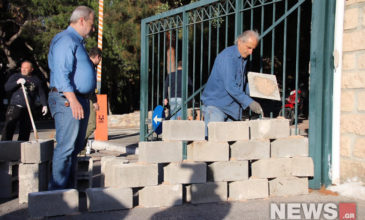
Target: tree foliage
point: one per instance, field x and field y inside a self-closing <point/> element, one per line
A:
<point x="28" y="26"/>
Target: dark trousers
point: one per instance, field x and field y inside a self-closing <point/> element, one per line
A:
<point x="13" y="115"/>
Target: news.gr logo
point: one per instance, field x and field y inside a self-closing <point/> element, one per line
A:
<point x="341" y="211"/>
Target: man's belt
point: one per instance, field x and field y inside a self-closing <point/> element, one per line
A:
<point x="54" y="89"/>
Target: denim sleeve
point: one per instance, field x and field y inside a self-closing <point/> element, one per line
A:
<point x="63" y="53"/>
<point x="232" y="85"/>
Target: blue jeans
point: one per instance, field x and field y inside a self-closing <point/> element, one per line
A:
<point x="212" y="113"/>
<point x="174" y="104"/>
<point x="70" y="134"/>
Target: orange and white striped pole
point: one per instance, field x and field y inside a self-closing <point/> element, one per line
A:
<point x="100" y="44"/>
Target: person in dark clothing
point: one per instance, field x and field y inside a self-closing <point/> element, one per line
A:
<point x="17" y="109"/>
<point x="173" y="93"/>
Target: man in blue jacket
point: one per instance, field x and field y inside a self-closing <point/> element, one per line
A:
<point x="72" y="79"/>
<point x="226" y="92"/>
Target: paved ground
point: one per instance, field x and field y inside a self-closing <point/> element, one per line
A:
<point x="128" y="138"/>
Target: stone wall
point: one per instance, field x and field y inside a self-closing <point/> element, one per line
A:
<point x="353" y="92"/>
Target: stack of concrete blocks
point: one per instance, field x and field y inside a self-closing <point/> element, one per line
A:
<point x="9" y="165"/>
<point x="35" y="167"/>
<point x="84" y="173"/>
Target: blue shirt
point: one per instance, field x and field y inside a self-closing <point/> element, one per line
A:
<point x="70" y="65"/>
<point x="225" y="85"/>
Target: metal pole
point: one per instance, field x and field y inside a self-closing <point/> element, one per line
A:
<point x="30" y="113"/>
<point x="100" y="44"/>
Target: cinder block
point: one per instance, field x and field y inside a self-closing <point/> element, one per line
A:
<point x="132" y="175"/>
<point x="106" y="164"/>
<point x="82" y="183"/>
<point x="32" y="178"/>
<point x="84" y="166"/>
<point x="186" y="172"/>
<point x="269" y="128"/>
<point x="228" y="171"/>
<point x="160" y="196"/>
<point x="302" y="166"/>
<point x="10" y="150"/>
<point x="271" y="168"/>
<point x="250" y="150"/>
<point x="208" y="151"/>
<point x="249" y="189"/>
<point x="290" y="147"/>
<point x="106" y="199"/>
<point x="37" y="151"/>
<point x="53" y="203"/>
<point x="228" y="131"/>
<point x="9" y="179"/>
<point x="207" y="192"/>
<point x="288" y="186"/>
<point x="183" y="130"/>
<point x="160" y="151"/>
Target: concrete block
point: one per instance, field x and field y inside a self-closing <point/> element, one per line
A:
<point x="53" y="203"/>
<point x="250" y="150"/>
<point x="249" y="189"/>
<point x="269" y="128"/>
<point x="271" y="168"/>
<point x="132" y="175"/>
<point x="82" y="183"/>
<point x="183" y="130"/>
<point x="288" y="186"/>
<point x="228" y="131"/>
<point x="208" y="151"/>
<point x="33" y="178"/>
<point x="105" y="163"/>
<point x="84" y="166"/>
<point x="207" y="192"/>
<point x="302" y="166"/>
<point x="161" y="196"/>
<point x="160" y="151"/>
<point x="186" y="172"/>
<point x="10" y="150"/>
<point x="9" y="179"/>
<point x="228" y="171"/>
<point x="37" y="151"/>
<point x="106" y="199"/>
<point x="290" y="147"/>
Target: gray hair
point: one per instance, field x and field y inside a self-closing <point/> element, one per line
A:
<point x="81" y="12"/>
<point x="246" y="35"/>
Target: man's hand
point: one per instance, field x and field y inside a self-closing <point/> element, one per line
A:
<point x="76" y="107"/>
<point x="256" y="107"/>
<point x="20" y="81"/>
<point x="96" y="106"/>
<point x="44" y="110"/>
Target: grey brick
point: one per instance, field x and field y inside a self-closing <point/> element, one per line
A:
<point x="288" y="186"/>
<point x="132" y="175"/>
<point x="228" y="171"/>
<point x="250" y="150"/>
<point x="208" y="151"/>
<point x="53" y="203"/>
<point x="82" y="183"/>
<point x="33" y="178"/>
<point x="207" y="192"/>
<point x="10" y="150"/>
<point x="106" y="164"/>
<point x="269" y="128"/>
<point x="84" y="166"/>
<point x="228" y="131"/>
<point x="160" y="151"/>
<point x="37" y="151"/>
<point x="9" y="179"/>
<point x="249" y="189"/>
<point x="271" y="168"/>
<point x="106" y="199"/>
<point x="183" y="130"/>
<point x="160" y="196"/>
<point x="186" y="172"/>
<point x="290" y="147"/>
<point x="302" y="166"/>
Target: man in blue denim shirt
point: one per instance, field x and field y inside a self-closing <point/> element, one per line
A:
<point x="72" y="78"/>
<point x="225" y="94"/>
